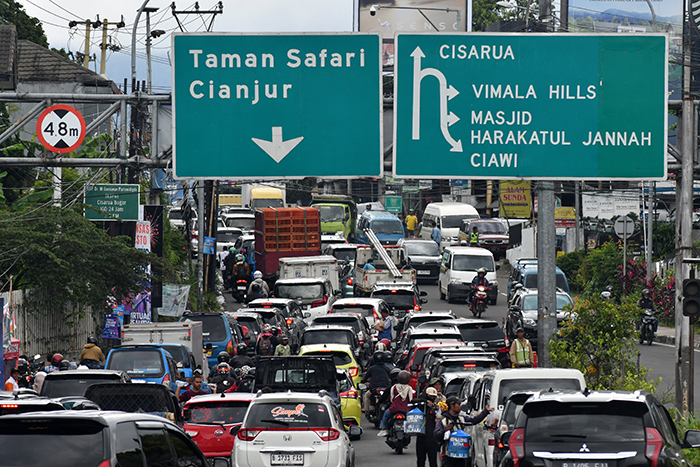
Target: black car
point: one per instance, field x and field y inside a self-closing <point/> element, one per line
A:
<point x="423" y="256"/>
<point x="274" y="317"/>
<point x="400" y="295"/>
<point x="29" y="404"/>
<point x="68" y="438"/>
<point x="291" y="311"/>
<point x="484" y="333"/>
<point x="69" y="387"/>
<point x="621" y="429"/>
<point x="506" y="424"/>
<point x="417" y="335"/>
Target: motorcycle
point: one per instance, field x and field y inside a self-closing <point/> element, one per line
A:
<point x="647" y="327"/>
<point x="240" y="289"/>
<point x="396" y="438"/>
<point x="375" y="410"/>
<point x="479" y="300"/>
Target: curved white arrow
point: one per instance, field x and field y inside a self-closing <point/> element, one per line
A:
<point x="277" y="148"/>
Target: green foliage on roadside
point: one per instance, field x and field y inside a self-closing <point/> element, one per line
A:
<point x="570" y="263"/>
<point x="599" y="340"/>
<point x="600" y="268"/>
<point x="683" y="424"/>
<point x="28" y="27"/>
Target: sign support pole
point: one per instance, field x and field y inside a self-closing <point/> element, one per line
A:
<point x="624" y="258"/>
<point x="546" y="272"/>
<point x="200" y="245"/>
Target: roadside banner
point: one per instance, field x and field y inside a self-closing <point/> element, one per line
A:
<point x="516" y="199"/>
<point x="111" y="327"/>
<point x="174" y="299"/>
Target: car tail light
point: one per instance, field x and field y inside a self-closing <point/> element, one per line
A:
<point x="654" y="444"/>
<point x="241" y="281"/>
<point x="500" y="445"/>
<point x="289" y="321"/>
<point x="351" y="394"/>
<point x="230" y="349"/>
<point x="104" y="463"/>
<point x="516" y="445"/>
<point x="349" y="280"/>
<point x="246" y="434"/>
<point x="320" y="302"/>
<point x="353" y="370"/>
<point x="376" y="316"/>
<point x="327" y="434"/>
<point x="492" y="441"/>
<point x="166" y="380"/>
<point x="504" y="350"/>
<point x="191" y="434"/>
<point x="9" y="406"/>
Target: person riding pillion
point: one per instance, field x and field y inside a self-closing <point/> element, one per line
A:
<point x="258" y="279"/>
<point x="400" y="395"/>
<point x="241" y="269"/>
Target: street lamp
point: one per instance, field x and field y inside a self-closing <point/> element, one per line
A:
<point x="374" y="8"/>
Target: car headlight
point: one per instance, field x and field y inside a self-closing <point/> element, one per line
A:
<point x="530" y="322"/>
<point x="455" y="280"/>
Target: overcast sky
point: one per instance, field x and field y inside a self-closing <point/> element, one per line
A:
<point x="238" y="16"/>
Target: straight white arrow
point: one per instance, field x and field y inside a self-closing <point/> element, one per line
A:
<point x="277" y="148"/>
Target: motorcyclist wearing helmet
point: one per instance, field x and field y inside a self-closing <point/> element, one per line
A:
<point x="56" y="360"/>
<point x="241" y="270"/>
<point x="229" y="263"/>
<point x="243" y="377"/>
<point x="377" y="375"/>
<point x="25" y="375"/>
<point x="258" y="279"/>
<point x="92" y="356"/>
<point x="613" y="297"/>
<point x="255" y="293"/>
<point x="223" y="378"/>
<point x="241" y="359"/>
<point x="479" y="279"/>
<point x="64" y="365"/>
<point x="646" y="303"/>
<point x="400" y="395"/>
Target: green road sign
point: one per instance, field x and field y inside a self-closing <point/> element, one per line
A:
<point x="277" y="106"/>
<point x="112" y="202"/>
<point x="393" y="204"/>
<point x="504" y="106"/>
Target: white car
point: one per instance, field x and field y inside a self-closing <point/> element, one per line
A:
<point x="370" y="308"/>
<point x="288" y="429"/>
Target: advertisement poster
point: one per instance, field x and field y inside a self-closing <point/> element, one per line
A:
<point x="174" y="299"/>
<point x="609" y="206"/>
<point x="564" y="217"/>
<point x="111" y="327"/>
<point x="516" y="199"/>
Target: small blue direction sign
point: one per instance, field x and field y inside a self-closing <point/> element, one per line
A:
<point x="510" y="106"/>
<point x="277" y="106"/>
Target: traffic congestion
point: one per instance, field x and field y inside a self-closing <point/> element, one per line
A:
<point x="328" y="354"/>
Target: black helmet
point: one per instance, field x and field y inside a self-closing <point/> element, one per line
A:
<point x="394" y="374"/>
<point x="64" y="365"/>
<point x="404" y="377"/>
<point x="22" y="364"/>
<point x="56" y="359"/>
<point x="223" y="357"/>
<point x="645" y="292"/>
<point x="92" y="340"/>
<point x="379" y="357"/>
<point x="387" y="356"/>
<point x="609" y="288"/>
<point x="242" y="348"/>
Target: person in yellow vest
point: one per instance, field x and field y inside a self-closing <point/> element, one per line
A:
<point x="411" y="222"/>
<point x="521" y="355"/>
<point x="474" y="237"/>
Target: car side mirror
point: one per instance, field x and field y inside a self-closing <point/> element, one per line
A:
<point x="362" y="387"/>
<point x="219" y="462"/>
<point x="471" y="401"/>
<point x="691" y="439"/>
<point x="337" y="293"/>
<point x="505" y="437"/>
<point x="498" y="266"/>
<point x="423" y="294"/>
<point x="424" y="300"/>
<point x="307" y="314"/>
<point x="234" y="430"/>
<point x="415" y="367"/>
<point x="354" y="431"/>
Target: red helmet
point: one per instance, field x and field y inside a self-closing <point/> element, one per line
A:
<point x="386" y="342"/>
<point x="56" y="359"/>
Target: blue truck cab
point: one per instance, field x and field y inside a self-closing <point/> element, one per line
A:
<point x="144" y="363"/>
<point x="387" y="227"/>
<point x="215" y="331"/>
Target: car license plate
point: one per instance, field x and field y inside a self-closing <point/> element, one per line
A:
<point x="423" y="272"/>
<point x="585" y="463"/>
<point x="286" y="459"/>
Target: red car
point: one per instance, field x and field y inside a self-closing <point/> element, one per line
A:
<point x="208" y="421"/>
<point x="415" y="357"/>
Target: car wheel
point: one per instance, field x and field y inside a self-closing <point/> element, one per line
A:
<point x="448" y="297"/>
<point x="442" y="295"/>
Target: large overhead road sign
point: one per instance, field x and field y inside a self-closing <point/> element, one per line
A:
<point x="277" y="106"/>
<point x="539" y="106"/>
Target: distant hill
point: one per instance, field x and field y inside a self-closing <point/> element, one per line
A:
<point x="632" y="17"/>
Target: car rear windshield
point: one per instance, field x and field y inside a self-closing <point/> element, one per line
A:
<point x="397" y="298"/>
<point x="453" y="387"/>
<point x="473" y="263"/>
<point x="422" y="249"/>
<point x="530" y="302"/>
<point x="392" y="227"/>
<point x="269" y="318"/>
<point x="531" y="281"/>
<point x="490" y="228"/>
<point x="249" y="322"/>
<point x="243" y="223"/>
<point x="213" y="327"/>
<point x="228" y="237"/>
<point x="339" y="321"/>
<point x="366" y="310"/>
<point x="327" y="337"/>
<point x="288" y="414"/>
<point x="63" y="387"/>
<point x="175" y="214"/>
<point x="466" y="365"/>
<point x="140" y="363"/>
<point x="339" y="358"/>
<point x="52" y="443"/>
<point x="302" y="291"/>
<point x="177" y="353"/>
<point x="509" y="386"/>
<point x="345" y="254"/>
<point x="603" y="422"/>
<point x="216" y="413"/>
<point x="417" y="320"/>
<point x="481" y="332"/>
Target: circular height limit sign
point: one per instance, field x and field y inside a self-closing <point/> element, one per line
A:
<point x="60" y="128"/>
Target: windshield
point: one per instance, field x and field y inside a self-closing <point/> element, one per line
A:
<point x="244" y="223"/>
<point x="267" y="203"/>
<point x="417" y="320"/>
<point x="473" y="263"/>
<point x="332" y="320"/>
<point x="213" y="327"/>
<point x="178" y="354"/>
<point x="250" y="323"/>
<point x="339" y="358"/>
<point x="143" y="363"/>
<point x="330" y="213"/>
<point x="37" y="443"/>
<point x="269" y="318"/>
<point x="422" y="249"/>
<point x="481" y="332"/>
<point x="399" y="299"/>
<point x="302" y="291"/>
<point x="288" y="415"/>
<point x="175" y="215"/>
<point x="593" y="422"/>
<point x="64" y="387"/>
<point x="530" y="302"/>
<point x="389" y="227"/>
<point x="540" y="384"/>
<point x="228" y="237"/>
<point x="366" y="310"/>
<point x="327" y="337"/>
<point x="454" y="221"/>
<point x="345" y="254"/>
<point x="531" y="281"/>
<point x="216" y="413"/>
<point x="491" y="228"/>
<point x="453" y="387"/>
<point x="466" y="365"/>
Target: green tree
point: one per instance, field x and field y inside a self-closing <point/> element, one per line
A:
<point x="484" y="12"/>
<point x="600" y="268"/>
<point x="599" y="340"/>
<point x="28" y="27"/>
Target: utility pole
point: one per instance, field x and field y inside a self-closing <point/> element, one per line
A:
<point x="546" y="271"/>
<point x="684" y="333"/>
<point x="88" y="24"/>
<point x="103" y="45"/>
<point x="650" y="228"/>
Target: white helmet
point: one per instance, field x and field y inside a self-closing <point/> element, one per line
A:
<point x="257" y="275"/>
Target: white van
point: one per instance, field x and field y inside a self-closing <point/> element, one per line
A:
<point x="458" y="269"/>
<point x="493" y="390"/>
<point x="448" y="217"/>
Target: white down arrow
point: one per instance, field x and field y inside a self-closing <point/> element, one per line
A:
<point x="277" y="148"/>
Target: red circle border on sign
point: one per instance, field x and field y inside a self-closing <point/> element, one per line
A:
<point x="70" y="109"/>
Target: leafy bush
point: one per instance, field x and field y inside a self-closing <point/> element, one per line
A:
<point x="600" y="268"/>
<point x="683" y="424"/>
<point x="570" y="263"/>
<point x="599" y="340"/>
